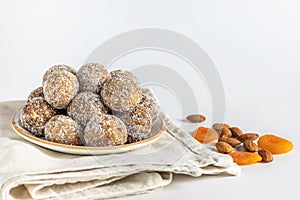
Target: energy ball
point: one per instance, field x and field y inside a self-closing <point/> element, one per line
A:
<point x="60" y="88"/>
<point x="57" y="68"/>
<point x="121" y="93"/>
<point x="35" y="114"/>
<point x="84" y="106"/>
<point x="38" y="92"/>
<point x="119" y="72"/>
<point x="105" y="130"/>
<point x="63" y="129"/>
<point x="138" y="122"/>
<point x="91" y="77"/>
<point x="150" y="105"/>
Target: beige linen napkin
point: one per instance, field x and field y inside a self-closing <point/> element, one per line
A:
<point x="28" y="171"/>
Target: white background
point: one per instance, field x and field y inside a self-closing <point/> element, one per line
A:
<point x="254" y="45"/>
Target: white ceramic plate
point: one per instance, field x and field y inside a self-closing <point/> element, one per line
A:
<point x="158" y="129"/>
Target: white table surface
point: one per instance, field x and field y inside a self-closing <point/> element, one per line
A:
<point x="254" y="45"/>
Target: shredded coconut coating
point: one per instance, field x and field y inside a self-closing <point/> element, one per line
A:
<point x="105" y="130"/>
<point x="84" y="106"/>
<point x="63" y="129"/>
<point x="150" y="105"/>
<point x="138" y="122"/>
<point x="38" y="92"/>
<point x="121" y="93"/>
<point x="128" y="74"/>
<point x="57" y="68"/>
<point x="59" y="88"/>
<point x="91" y="77"/>
<point x="35" y="114"/>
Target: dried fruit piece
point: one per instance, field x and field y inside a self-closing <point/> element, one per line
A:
<point x="248" y="136"/>
<point x="205" y="135"/>
<point x="223" y="147"/>
<point x="196" y="118"/>
<point x="232" y="141"/>
<point x="235" y="131"/>
<point x="225" y="132"/>
<point x="250" y="146"/>
<point x="266" y="155"/>
<point x="275" y="144"/>
<point x="219" y="126"/>
<point x="245" y="158"/>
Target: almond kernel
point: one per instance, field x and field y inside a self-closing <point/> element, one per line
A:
<point x="223" y="147"/>
<point x="196" y="118"/>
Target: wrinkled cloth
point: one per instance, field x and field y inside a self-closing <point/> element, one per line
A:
<point x="28" y="171"/>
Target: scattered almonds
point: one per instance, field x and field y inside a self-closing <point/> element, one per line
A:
<point x="235" y="131"/>
<point x="230" y="139"/>
<point x="248" y="136"/>
<point x="225" y="132"/>
<point x="266" y="155"/>
<point x="250" y="146"/>
<point x="223" y="147"/>
<point x="219" y="126"/>
<point x="196" y="118"/>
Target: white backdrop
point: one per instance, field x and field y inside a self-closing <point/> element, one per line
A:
<point x="254" y="45"/>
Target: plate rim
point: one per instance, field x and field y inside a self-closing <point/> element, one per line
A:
<point x="39" y="141"/>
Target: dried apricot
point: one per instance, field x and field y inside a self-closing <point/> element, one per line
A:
<point x="205" y="135"/>
<point x="275" y="144"/>
<point x="245" y="158"/>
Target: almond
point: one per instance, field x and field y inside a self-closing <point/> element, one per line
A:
<point x="266" y="155"/>
<point x="225" y="132"/>
<point x="223" y="147"/>
<point x="250" y="146"/>
<point x="232" y="141"/>
<point x="236" y="132"/>
<point x="196" y="118"/>
<point x="248" y="136"/>
<point x="219" y="126"/>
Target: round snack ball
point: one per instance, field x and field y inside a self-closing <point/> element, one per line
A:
<point x="38" y="92"/>
<point x="120" y="72"/>
<point x="63" y="129"/>
<point x="105" y="130"/>
<point x="35" y="114"/>
<point x="91" y="77"/>
<point x="57" y="68"/>
<point x="59" y="88"/>
<point x="121" y="93"/>
<point x="150" y="105"/>
<point x="138" y="122"/>
<point x="84" y="106"/>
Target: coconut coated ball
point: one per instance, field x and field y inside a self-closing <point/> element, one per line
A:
<point x="63" y="129"/>
<point x="138" y="122"/>
<point x="58" y="68"/>
<point x="150" y="105"/>
<point x="121" y="93"/>
<point x="105" y="130"/>
<point x="84" y="106"/>
<point x="128" y="74"/>
<point x="91" y="77"/>
<point x="38" y="92"/>
<point x="60" y="88"/>
<point x="35" y="114"/>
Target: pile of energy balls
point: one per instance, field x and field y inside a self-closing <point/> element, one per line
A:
<point x="91" y="107"/>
